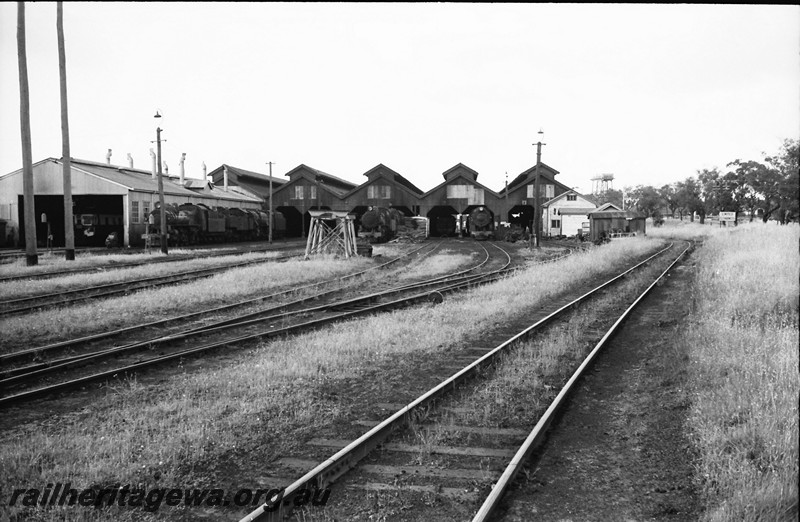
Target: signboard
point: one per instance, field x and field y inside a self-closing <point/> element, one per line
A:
<point x="727" y="217"/>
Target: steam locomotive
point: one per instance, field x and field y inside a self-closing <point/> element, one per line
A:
<point x="481" y="223"/>
<point x="380" y="224"/>
<point x="192" y="224"/>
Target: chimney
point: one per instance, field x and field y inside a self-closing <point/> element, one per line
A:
<point x="183" y="170"/>
<point x="130" y="160"/>
<point x="225" y="177"/>
<point x="166" y="169"/>
<point x="205" y="176"/>
<point x="108" y="157"/>
<point x="155" y="165"/>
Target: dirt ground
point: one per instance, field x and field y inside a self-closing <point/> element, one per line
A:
<point x="620" y="450"/>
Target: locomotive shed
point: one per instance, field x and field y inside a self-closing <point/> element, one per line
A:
<point x="109" y="198"/>
<point x="106" y="198"/>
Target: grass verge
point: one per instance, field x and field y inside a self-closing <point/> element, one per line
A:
<point x="744" y="339"/>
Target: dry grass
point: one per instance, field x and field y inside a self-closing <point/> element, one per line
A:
<point x="204" y="417"/>
<point x="49" y="261"/>
<point x="90" y="277"/>
<point x="159" y="303"/>
<point x="440" y="263"/>
<point x="744" y="340"/>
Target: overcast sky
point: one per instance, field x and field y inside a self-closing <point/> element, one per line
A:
<point x="650" y="93"/>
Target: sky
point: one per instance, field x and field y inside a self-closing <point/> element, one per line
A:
<point x="650" y="93"/>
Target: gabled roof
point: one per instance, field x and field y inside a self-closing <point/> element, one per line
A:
<point x="463" y="176"/>
<point x="394" y="176"/>
<point x="330" y="182"/>
<point x="565" y="194"/>
<point x="458" y="166"/>
<point x="626" y="214"/>
<point x="242" y="173"/>
<point x="608" y="206"/>
<point x="524" y="175"/>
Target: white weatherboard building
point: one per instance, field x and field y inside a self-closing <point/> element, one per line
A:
<point x="567" y="214"/>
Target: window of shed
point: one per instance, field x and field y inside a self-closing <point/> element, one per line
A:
<point x="134" y="212"/>
<point x="555" y="223"/>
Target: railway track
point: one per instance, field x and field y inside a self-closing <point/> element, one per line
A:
<point x="201" y="318"/>
<point x="441" y="427"/>
<point x="28" y="304"/>
<point x="282" y="319"/>
<point x="155" y="260"/>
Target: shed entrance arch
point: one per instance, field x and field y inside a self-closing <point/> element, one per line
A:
<point x="294" y="221"/>
<point x="443" y="221"/>
<point x="521" y="216"/>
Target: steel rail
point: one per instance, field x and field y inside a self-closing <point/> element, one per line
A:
<point x="16" y="375"/>
<point x="21" y="374"/>
<point x="536" y="435"/>
<point x="158" y="260"/>
<point x="347" y="458"/>
<point x="124" y="286"/>
<point x="4" y="358"/>
<point x="8" y="400"/>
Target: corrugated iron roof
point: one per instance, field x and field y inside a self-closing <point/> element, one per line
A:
<point x="142" y="181"/>
<point x="250" y="174"/>
<point x="399" y="179"/>
<point x="613" y="214"/>
<point x="575" y="211"/>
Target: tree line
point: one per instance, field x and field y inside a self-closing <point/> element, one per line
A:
<point x="769" y="189"/>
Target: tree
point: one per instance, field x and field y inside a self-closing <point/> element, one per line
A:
<point x="690" y="198"/>
<point x="751" y="180"/>
<point x="785" y="165"/>
<point x="669" y="195"/>
<point x="647" y="199"/>
<point x="609" y="196"/>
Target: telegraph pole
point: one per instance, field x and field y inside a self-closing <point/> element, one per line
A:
<point x="537" y="208"/>
<point x="31" y="257"/>
<point x="163" y="210"/>
<point x="270" y="202"/>
<point x="69" y="228"/>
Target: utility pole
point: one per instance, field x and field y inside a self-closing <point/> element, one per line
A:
<point x="271" y="221"/>
<point x="31" y="257"/>
<point x="537" y="208"/>
<point x="163" y="210"/>
<point x="69" y="228"/>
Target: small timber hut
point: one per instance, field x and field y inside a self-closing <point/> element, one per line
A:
<point x="616" y="223"/>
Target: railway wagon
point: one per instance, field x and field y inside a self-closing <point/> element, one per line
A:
<point x="481" y="224"/>
<point x="380" y="224"/>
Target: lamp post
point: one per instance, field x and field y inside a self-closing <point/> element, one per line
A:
<point x="162" y="209"/>
<point x="270" y="202"/>
<point x="537" y="205"/>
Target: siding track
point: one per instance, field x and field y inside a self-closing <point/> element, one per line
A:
<point x="472" y="465"/>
